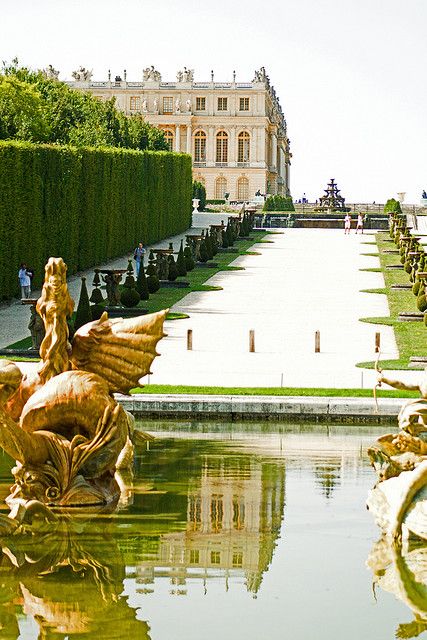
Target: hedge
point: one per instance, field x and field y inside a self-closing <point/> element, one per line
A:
<point x="85" y="205"/>
<point x="278" y="203"/>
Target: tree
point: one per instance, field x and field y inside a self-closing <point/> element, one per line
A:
<point x="21" y="111"/>
<point x="392" y="205"/>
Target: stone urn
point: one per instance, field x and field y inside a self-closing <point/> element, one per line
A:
<point x="196" y="203"/>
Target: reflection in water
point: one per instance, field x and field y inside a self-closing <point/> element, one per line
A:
<point x="70" y="580"/>
<point x="403" y="573"/>
<point x="231" y="505"/>
<point x="200" y="514"/>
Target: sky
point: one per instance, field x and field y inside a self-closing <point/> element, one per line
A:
<point x="350" y="74"/>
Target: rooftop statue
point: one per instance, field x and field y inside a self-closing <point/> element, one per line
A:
<point x="62" y="423"/>
<point x="398" y="501"/>
<point x="82" y="75"/>
<point x="187" y="75"/>
<point x="151" y="75"/>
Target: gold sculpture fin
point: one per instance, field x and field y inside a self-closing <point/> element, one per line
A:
<point x="119" y="350"/>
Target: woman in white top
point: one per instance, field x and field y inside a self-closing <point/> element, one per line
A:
<point x="359" y="223"/>
<point x="347" y="223"/>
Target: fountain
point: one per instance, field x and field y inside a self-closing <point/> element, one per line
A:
<point x="61" y="422"/>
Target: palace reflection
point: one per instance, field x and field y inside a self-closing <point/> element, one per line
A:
<point x="230" y="512"/>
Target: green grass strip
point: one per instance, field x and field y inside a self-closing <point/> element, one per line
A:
<point x="270" y="391"/>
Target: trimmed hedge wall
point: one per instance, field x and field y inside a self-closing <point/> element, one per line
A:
<point x="85" y="205"/>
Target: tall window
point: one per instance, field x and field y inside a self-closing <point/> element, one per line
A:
<point x="169" y="138"/>
<point x="222" y="147"/>
<point x="243" y="147"/>
<point x="200" y="104"/>
<point x="200" y="147"/>
<point x="167" y="105"/>
<point x="135" y="103"/>
<point x="222" y="104"/>
<point x="220" y="188"/>
<point x="244" y="104"/>
<point x="243" y="189"/>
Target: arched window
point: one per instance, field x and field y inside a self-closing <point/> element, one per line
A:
<point x="200" y="147"/>
<point x="220" y="188"/>
<point x="222" y="148"/>
<point x="243" y="188"/>
<point x="169" y="138"/>
<point x="243" y="143"/>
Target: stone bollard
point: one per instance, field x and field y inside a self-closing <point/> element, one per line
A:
<point x="251" y="341"/>
<point x="317" y="342"/>
<point x="377" y="342"/>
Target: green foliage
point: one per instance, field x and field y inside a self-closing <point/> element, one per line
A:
<point x="129" y="296"/>
<point x="199" y="191"/>
<point x="279" y="203"/>
<point x="189" y="260"/>
<point x="153" y="282"/>
<point x="180" y="262"/>
<point x="86" y="205"/>
<point x="172" y="271"/>
<point x="204" y="257"/>
<point x="392" y="205"/>
<point x="141" y="282"/>
<point x="37" y="108"/>
<point x="83" y="313"/>
<point x="215" y="201"/>
<point x="208" y="245"/>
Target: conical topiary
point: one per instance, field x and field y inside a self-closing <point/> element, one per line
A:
<point x="203" y="251"/>
<point x="189" y="260"/>
<point x="214" y="243"/>
<point x="180" y="262"/>
<point x="153" y="282"/>
<point x="416" y="286"/>
<point x="129" y="296"/>
<point x="224" y="239"/>
<point x="208" y="244"/>
<point x="141" y="282"/>
<point x="96" y="298"/>
<point x="230" y="235"/>
<point x="421" y="298"/>
<point x="173" y="271"/>
<point x="83" y="313"/>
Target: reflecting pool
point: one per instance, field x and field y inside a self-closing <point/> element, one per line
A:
<point x="231" y="532"/>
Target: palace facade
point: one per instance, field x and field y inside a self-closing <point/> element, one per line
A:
<point x="235" y="132"/>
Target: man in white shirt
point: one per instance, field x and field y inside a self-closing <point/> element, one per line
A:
<point x="24" y="281"/>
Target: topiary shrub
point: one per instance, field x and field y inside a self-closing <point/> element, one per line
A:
<point x="208" y="244"/>
<point x="224" y="239"/>
<point x="180" y="262"/>
<point x="189" y="260"/>
<point x="153" y="282"/>
<point x="141" y="282"/>
<point x="173" y="271"/>
<point x="203" y="257"/>
<point x="83" y="313"/>
<point x="392" y="206"/>
<point x="129" y="297"/>
<point x="199" y="191"/>
<point x="421" y="298"/>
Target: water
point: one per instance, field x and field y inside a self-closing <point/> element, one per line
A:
<point x="251" y="532"/>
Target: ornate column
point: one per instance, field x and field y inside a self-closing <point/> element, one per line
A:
<point x="273" y="150"/>
<point x="210" y="151"/>
<point x="232" y="151"/>
<point x="262" y="145"/>
<point x="189" y="149"/>
<point x="177" y="138"/>
<point x="253" y="148"/>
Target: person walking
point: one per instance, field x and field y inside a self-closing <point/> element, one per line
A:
<point x="138" y="256"/>
<point x="24" y="281"/>
<point x="347" y="223"/>
<point x="359" y="223"/>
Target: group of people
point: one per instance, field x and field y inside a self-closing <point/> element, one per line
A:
<point x="25" y="277"/>
<point x="347" y="223"/>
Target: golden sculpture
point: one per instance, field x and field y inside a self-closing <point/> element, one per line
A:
<point x="400" y="460"/>
<point x="62" y="423"/>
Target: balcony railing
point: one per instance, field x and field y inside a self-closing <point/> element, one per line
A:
<point x="199" y="164"/>
<point x="243" y="164"/>
<point x="221" y="164"/>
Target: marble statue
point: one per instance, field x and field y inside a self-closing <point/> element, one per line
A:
<point x="144" y="106"/>
<point x="187" y="75"/>
<point x="61" y="422"/>
<point x="151" y="75"/>
<point x="188" y="105"/>
<point x="51" y="73"/>
<point x="82" y="75"/>
<point x="155" y="105"/>
<point x="399" y="500"/>
<point x="177" y="105"/>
